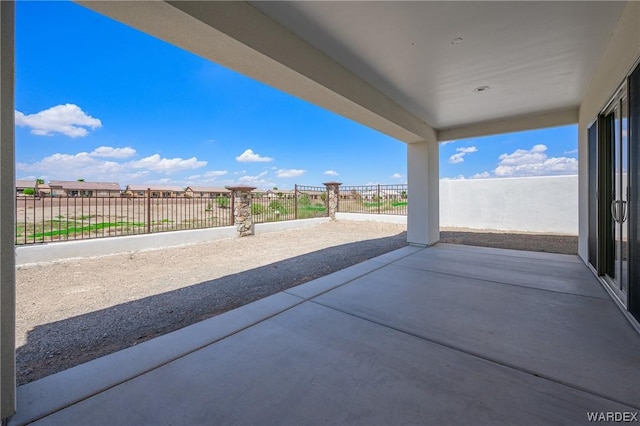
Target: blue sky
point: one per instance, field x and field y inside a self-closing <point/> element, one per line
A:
<point x="101" y="101"/>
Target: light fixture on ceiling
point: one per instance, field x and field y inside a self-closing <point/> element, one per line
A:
<point x="481" y="89"/>
<point x="456" y="40"/>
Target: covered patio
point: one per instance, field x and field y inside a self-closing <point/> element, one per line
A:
<point x="441" y="335"/>
<point x="429" y="334"/>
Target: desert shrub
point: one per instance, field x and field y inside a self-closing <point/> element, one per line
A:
<point x="29" y="191"/>
<point x="257" y="209"/>
<point x="304" y="200"/>
<point x="222" y="201"/>
<point x="278" y="206"/>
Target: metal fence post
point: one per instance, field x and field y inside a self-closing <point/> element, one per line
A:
<point x="295" y="201"/>
<point x="148" y="210"/>
<point x="378" y="200"/>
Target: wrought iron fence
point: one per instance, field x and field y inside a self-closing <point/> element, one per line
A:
<point x="51" y="219"/>
<point x="272" y="206"/>
<point x="302" y="203"/>
<point x="374" y="199"/>
<point x="311" y="202"/>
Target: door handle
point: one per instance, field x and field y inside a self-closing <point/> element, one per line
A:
<point x="623" y="205"/>
<point x="614" y="210"/>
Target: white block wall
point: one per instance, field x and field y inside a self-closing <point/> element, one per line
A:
<point x="532" y="204"/>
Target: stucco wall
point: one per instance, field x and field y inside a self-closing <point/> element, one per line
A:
<point x="39" y="253"/>
<point x="533" y="204"/>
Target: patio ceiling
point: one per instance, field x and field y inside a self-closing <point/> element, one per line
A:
<point x="397" y="66"/>
<point x="535" y="57"/>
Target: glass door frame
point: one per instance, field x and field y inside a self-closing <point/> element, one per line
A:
<point x="614" y="199"/>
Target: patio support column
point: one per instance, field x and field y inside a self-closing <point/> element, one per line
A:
<point x="242" y="209"/>
<point x="7" y="212"/>
<point x="423" y="219"/>
<point x="333" y="194"/>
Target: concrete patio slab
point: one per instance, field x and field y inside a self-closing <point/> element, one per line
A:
<point x="512" y="253"/>
<point x="336" y="279"/>
<point x="549" y="274"/>
<point x="52" y="393"/>
<point x="390" y="341"/>
<point x="580" y="341"/>
<point x="329" y="282"/>
<point x="313" y="365"/>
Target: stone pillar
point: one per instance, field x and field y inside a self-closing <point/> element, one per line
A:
<point x="242" y="209"/>
<point x="7" y="212"/>
<point x="333" y="192"/>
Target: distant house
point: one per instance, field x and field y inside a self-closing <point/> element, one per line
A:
<point x="206" y="192"/>
<point x="39" y="189"/>
<point x="63" y="188"/>
<point x="154" y="191"/>
<point x="384" y="194"/>
<point x="22" y="184"/>
<point x="315" y="195"/>
<point x="43" y="190"/>
<point x="278" y="193"/>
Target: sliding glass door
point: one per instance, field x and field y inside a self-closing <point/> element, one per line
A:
<point x="616" y="217"/>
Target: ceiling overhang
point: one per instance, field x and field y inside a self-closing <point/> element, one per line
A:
<point x="393" y="66"/>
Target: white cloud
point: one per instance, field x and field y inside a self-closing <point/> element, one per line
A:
<point x="248" y="156"/>
<point x="249" y="178"/>
<point x="396" y="176"/>
<point x="257" y="180"/>
<point x="167" y="165"/>
<point x="74" y="166"/>
<point x="110" y="152"/>
<point x="573" y="151"/>
<point x="448" y="142"/>
<point x="290" y="173"/>
<point x="534" y="162"/>
<point x="66" y="119"/>
<point x="209" y="177"/>
<point x="331" y="173"/>
<point x="482" y="175"/>
<point x="106" y="164"/>
<point x="215" y="173"/>
<point x="461" y="152"/>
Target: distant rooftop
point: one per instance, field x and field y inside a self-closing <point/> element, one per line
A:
<point x="144" y="187"/>
<point x="82" y="186"/>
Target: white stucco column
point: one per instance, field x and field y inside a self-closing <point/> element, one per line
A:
<point x="7" y="212"/>
<point x="423" y="177"/>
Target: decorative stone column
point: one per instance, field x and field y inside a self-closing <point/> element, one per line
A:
<point x="242" y="209"/>
<point x="333" y="192"/>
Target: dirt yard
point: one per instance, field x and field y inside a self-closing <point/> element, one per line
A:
<point x="70" y="312"/>
<point x="555" y="243"/>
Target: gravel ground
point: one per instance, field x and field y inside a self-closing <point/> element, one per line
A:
<point x="564" y="244"/>
<point x="70" y="312"/>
